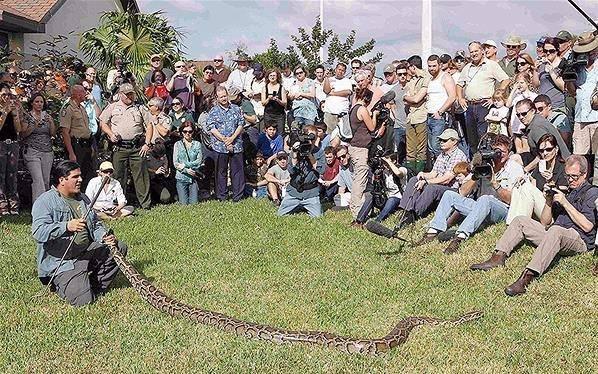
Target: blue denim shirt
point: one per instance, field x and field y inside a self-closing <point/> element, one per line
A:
<point x="586" y="83"/>
<point x="50" y="217"/>
<point x="191" y="158"/>
<point x="226" y="121"/>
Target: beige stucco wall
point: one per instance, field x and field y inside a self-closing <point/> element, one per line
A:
<point x="73" y="15"/>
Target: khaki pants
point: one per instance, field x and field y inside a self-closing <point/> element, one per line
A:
<point x="549" y="243"/>
<point x="359" y="158"/>
<point x="417" y="141"/>
<point x="331" y="120"/>
<point x="525" y="200"/>
<point x="582" y="138"/>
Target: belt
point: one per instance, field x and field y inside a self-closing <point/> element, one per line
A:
<point x="9" y="141"/>
<point x="480" y="101"/>
<point x="81" y="141"/>
<point x="128" y="144"/>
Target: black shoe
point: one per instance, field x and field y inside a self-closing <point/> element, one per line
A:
<point x="447" y="235"/>
<point x="408" y="219"/>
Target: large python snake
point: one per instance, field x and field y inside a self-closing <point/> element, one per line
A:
<point x="398" y="335"/>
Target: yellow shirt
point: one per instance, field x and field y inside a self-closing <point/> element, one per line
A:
<point x="478" y="82"/>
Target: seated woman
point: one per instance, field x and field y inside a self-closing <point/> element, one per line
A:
<point x="187" y="159"/>
<point x="527" y="196"/>
<point x="111" y="202"/>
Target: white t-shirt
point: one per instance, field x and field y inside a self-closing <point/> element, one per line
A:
<point x="106" y="198"/>
<point x="320" y="95"/>
<point x="516" y="125"/>
<point x="509" y="174"/>
<point x="338" y="104"/>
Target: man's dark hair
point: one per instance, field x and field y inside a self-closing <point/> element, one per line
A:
<point x="208" y="67"/>
<point x="270" y="124"/>
<point x="526" y="102"/>
<point x="330" y="149"/>
<point x="501" y="139"/>
<point x="4" y="85"/>
<point x="434" y="58"/>
<point x="543" y="99"/>
<point x="342" y="64"/>
<point x="416" y="61"/>
<point x="320" y="67"/>
<point x="63" y="169"/>
<point x="556" y="43"/>
<point x="159" y="149"/>
<point x="402" y="66"/>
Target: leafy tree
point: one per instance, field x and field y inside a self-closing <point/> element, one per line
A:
<point x="309" y="43"/>
<point x="274" y="57"/>
<point x="132" y="36"/>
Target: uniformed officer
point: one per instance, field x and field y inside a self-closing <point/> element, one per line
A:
<point x="123" y="122"/>
<point x="74" y="125"/>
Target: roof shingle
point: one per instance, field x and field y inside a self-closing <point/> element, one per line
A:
<point x="33" y="9"/>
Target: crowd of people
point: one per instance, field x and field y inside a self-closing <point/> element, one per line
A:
<point x="471" y="139"/>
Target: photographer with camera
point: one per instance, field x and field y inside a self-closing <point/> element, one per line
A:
<point x="303" y="191"/>
<point x="183" y="85"/>
<point x="583" y="63"/>
<point x="493" y="179"/>
<point x="424" y="190"/>
<point x="566" y="227"/>
<point x="118" y="76"/>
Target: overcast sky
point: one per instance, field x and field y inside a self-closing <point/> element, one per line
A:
<point x="215" y="26"/>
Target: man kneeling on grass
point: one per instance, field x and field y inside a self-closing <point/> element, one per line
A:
<point x="566" y="227"/>
<point x="88" y="268"/>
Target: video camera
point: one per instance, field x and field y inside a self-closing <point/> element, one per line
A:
<point x="570" y="65"/>
<point x="384" y="112"/>
<point x="376" y="164"/>
<point x="552" y="189"/>
<point x="304" y="147"/>
<point x="487" y="155"/>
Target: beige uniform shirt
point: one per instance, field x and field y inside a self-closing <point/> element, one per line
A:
<point x="417" y="113"/>
<point x="74" y="117"/>
<point x="478" y="82"/>
<point x="161" y="120"/>
<point x="126" y="121"/>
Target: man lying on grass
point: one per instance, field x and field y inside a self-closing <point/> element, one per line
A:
<point x="566" y="227"/>
<point x="88" y="268"/>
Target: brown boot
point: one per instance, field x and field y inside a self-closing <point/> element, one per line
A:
<point x="497" y="259"/>
<point x="427" y="238"/>
<point x="595" y="271"/>
<point x="520" y="285"/>
<point x="453" y="246"/>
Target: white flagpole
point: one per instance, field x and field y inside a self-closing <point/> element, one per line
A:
<point x="426" y="28"/>
<point x="322" y="23"/>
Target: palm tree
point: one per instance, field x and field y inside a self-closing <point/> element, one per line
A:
<point x="134" y="37"/>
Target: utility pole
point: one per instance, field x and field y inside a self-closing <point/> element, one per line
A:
<point x="322" y="24"/>
<point x="426" y="29"/>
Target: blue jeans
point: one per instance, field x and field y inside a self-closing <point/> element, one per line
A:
<point x="391" y="205"/>
<point x="260" y="192"/>
<point x="187" y="192"/>
<point x="435" y="128"/>
<point x="476" y="211"/>
<point x="290" y="203"/>
<point x="475" y="125"/>
<point x="301" y="121"/>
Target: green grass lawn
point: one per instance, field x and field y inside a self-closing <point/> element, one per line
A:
<point x="301" y="274"/>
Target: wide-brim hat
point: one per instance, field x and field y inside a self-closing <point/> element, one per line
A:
<point x="233" y="93"/>
<point x="514" y="40"/>
<point x="242" y="57"/>
<point x="126" y="88"/>
<point x="586" y="42"/>
<point x="449" y="134"/>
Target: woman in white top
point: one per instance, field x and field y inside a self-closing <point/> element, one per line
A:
<point x="111" y="203"/>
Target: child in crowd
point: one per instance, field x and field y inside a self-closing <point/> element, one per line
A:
<point x="521" y="90"/>
<point x="328" y="180"/>
<point x="255" y="177"/>
<point x="278" y="177"/>
<point x="269" y="143"/>
<point x="498" y="115"/>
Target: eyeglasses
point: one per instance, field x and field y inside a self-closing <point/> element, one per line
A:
<point x="217" y="60"/>
<point x="108" y="171"/>
<point x="187" y="131"/>
<point x="355" y="67"/>
<point x="402" y="74"/>
<point x="179" y="66"/>
<point x="523" y="114"/>
<point x="512" y="47"/>
<point x="550" y="51"/>
<point x="176" y="103"/>
<point x="445" y="140"/>
<point x="521" y="63"/>
<point x="574" y="177"/>
<point x="540" y="108"/>
<point x="388" y="74"/>
<point x="341" y="156"/>
<point x="546" y="150"/>
<point x="208" y="72"/>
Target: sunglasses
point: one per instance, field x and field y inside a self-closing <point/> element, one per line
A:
<point x="176" y="103"/>
<point x="402" y="74"/>
<point x="512" y="47"/>
<point x="109" y="171"/>
<point x="179" y="66"/>
<point x="217" y="60"/>
<point x="540" y="108"/>
<point x="545" y="150"/>
<point x="550" y="51"/>
<point x="522" y="114"/>
<point x="445" y="140"/>
<point x="355" y="67"/>
<point x="521" y="63"/>
<point x="341" y="156"/>
<point x="187" y="131"/>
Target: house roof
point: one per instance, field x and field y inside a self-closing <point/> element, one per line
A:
<point x="32" y="15"/>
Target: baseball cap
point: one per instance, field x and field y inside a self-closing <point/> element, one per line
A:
<point x="390" y="68"/>
<point x="258" y="68"/>
<point x="449" y="134"/>
<point x="444" y="58"/>
<point x="106" y="165"/>
<point x="126" y="88"/>
<point x="490" y="43"/>
<point x="282" y="155"/>
<point x="460" y="55"/>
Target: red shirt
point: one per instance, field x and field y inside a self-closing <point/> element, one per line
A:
<point x="331" y="171"/>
